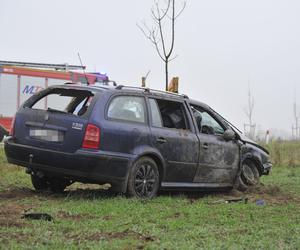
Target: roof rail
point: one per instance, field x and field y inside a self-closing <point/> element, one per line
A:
<point x="91" y="85"/>
<point x="110" y="81"/>
<point x="97" y="84"/>
<point x="132" y="87"/>
<point x="152" y="90"/>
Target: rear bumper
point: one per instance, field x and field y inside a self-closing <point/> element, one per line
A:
<point x="82" y="165"/>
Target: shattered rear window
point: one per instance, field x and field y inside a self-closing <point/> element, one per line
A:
<point x="61" y="100"/>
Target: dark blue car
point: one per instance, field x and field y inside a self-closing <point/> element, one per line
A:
<point x="138" y="140"/>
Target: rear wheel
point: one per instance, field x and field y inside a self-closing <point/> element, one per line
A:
<point x="57" y="185"/>
<point x="39" y="183"/>
<point x="143" y="179"/>
<point x="249" y="176"/>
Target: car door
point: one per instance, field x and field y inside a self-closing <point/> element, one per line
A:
<point x="173" y="137"/>
<point x="218" y="159"/>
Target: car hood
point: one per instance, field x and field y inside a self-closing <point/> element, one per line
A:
<point x="245" y="139"/>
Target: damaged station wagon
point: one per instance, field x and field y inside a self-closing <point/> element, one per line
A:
<point x="138" y="140"/>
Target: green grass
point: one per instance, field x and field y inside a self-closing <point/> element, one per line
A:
<point x="285" y="153"/>
<point x="86" y="218"/>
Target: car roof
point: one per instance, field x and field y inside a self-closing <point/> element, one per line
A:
<point x="121" y="89"/>
<point x="80" y="87"/>
<point x="200" y="104"/>
<point x="133" y="90"/>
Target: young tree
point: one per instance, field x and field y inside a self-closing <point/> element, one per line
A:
<point x="249" y="113"/>
<point x="295" y="127"/>
<point x="161" y="13"/>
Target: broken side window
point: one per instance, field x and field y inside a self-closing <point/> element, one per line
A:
<point x="206" y="123"/>
<point x="68" y="101"/>
<point x="169" y="114"/>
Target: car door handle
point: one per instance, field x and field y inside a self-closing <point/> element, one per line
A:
<point x="161" y="140"/>
<point x="205" y="145"/>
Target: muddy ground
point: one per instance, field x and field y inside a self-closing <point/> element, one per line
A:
<point x="13" y="208"/>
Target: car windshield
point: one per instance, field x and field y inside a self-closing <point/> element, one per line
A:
<point x="227" y="122"/>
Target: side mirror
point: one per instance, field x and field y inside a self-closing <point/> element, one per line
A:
<point x="229" y="135"/>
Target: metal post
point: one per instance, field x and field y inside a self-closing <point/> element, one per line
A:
<point x="143" y="81"/>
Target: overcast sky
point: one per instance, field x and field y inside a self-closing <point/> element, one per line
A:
<point x="221" y="45"/>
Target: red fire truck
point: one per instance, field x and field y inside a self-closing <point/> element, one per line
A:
<point x="20" y="80"/>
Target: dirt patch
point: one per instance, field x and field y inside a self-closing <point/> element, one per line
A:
<point x="19" y="237"/>
<point x="16" y="193"/>
<point x="10" y="214"/>
<point x="111" y="236"/>
<point x="271" y="194"/>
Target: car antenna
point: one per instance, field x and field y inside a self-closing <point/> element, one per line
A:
<point x="83" y="69"/>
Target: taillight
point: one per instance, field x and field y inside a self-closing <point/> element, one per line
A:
<point x="12" y="127"/>
<point x="91" y="137"/>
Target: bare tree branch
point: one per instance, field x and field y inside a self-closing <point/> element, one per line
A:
<point x="165" y="12"/>
<point x="179" y="13"/>
<point x="173" y="58"/>
<point x="162" y="37"/>
<point x="152" y="37"/>
<point x="157" y="36"/>
<point x="182" y="9"/>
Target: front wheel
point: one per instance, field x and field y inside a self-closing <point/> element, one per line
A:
<point x="249" y="176"/>
<point x="143" y="180"/>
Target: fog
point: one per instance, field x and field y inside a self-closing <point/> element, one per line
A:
<point x="222" y="46"/>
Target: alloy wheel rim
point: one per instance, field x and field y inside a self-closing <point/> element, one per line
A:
<point x="144" y="182"/>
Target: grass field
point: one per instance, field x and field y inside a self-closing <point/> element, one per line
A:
<point x="86" y="218"/>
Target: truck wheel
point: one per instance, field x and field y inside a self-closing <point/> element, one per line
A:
<point x="249" y="176"/>
<point x="143" y="179"/>
<point x="39" y="184"/>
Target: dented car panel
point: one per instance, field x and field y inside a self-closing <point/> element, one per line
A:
<point x="219" y="160"/>
<point x="100" y="134"/>
<point x="259" y="156"/>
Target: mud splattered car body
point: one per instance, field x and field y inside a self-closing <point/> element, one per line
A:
<point x="138" y="140"/>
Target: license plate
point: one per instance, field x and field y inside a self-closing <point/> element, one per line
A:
<point x="47" y="135"/>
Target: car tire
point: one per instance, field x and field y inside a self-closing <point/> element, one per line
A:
<point x="58" y="185"/>
<point x="249" y="176"/>
<point x="143" y="180"/>
<point x="39" y="183"/>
